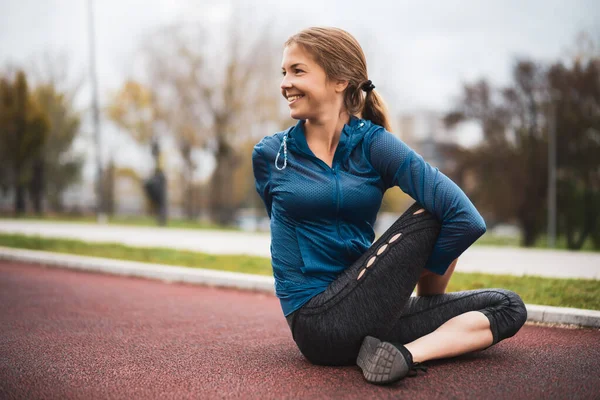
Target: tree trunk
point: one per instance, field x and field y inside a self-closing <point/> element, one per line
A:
<point x="529" y="227"/>
<point x="36" y="188"/>
<point x="529" y="236"/>
<point x="586" y="227"/>
<point x="19" y="199"/>
<point x="188" y="194"/>
<point x="162" y="206"/>
<point x="575" y="242"/>
<point x="19" y="191"/>
<point x="221" y="186"/>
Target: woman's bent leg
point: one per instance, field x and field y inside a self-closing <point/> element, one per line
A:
<point x="367" y="297"/>
<point x="372" y="298"/>
<point x="450" y="324"/>
<point x="422" y="315"/>
<point x="462" y="334"/>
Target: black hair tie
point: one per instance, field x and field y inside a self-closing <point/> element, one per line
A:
<point x="368" y="86"/>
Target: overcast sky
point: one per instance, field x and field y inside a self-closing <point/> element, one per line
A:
<point x="418" y="52"/>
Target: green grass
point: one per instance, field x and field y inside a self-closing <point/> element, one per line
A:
<point x="541" y="242"/>
<point x="130" y="221"/>
<point x="578" y="293"/>
<point x="236" y="263"/>
<point x="486" y="240"/>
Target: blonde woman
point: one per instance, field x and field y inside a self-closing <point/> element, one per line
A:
<point x="348" y="300"/>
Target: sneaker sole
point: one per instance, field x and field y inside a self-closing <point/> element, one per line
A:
<point x="381" y="362"/>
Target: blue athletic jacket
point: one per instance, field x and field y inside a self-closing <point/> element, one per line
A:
<point x="322" y="217"/>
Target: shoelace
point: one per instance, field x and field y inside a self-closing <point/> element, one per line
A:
<point x="415" y="368"/>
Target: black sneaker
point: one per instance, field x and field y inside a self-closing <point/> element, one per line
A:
<point x="384" y="362"/>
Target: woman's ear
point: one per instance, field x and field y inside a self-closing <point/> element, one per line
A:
<point x="340" y="86"/>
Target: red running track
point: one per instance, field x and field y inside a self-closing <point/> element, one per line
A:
<point x="74" y="335"/>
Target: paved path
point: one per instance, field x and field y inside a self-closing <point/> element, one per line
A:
<point x="76" y="335"/>
<point x="487" y="259"/>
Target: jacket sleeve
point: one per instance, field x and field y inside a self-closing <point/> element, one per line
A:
<point x="461" y="223"/>
<point x="262" y="175"/>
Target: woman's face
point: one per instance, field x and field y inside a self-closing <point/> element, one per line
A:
<point x="303" y="77"/>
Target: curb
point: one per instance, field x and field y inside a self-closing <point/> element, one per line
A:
<point x="169" y="273"/>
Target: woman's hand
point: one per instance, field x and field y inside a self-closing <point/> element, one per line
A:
<point x="431" y="284"/>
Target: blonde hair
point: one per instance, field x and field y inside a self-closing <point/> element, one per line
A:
<point x="342" y="58"/>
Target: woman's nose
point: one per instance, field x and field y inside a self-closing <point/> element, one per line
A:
<point x="285" y="83"/>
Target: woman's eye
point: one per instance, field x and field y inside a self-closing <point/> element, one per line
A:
<point x="296" y="70"/>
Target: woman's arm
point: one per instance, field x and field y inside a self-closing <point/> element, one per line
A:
<point x="262" y="174"/>
<point x="399" y="165"/>
<point x="431" y="284"/>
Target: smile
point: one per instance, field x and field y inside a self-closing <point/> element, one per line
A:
<point x="293" y="99"/>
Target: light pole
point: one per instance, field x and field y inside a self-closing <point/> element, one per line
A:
<point x="100" y="215"/>
<point x="552" y="173"/>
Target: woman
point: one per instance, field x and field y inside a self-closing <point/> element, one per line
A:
<point x="322" y="181"/>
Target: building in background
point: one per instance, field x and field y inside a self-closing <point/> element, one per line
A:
<point x="424" y="131"/>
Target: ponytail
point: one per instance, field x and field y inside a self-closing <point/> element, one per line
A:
<point x="375" y="110"/>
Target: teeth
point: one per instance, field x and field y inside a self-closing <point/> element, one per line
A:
<point x="292" y="98"/>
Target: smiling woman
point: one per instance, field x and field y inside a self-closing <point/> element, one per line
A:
<point x="309" y="82"/>
<point x="346" y="298"/>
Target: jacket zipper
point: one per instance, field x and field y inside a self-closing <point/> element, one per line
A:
<point x="337" y="210"/>
<point x="337" y="190"/>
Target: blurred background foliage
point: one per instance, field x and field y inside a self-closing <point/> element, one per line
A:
<point x="509" y="169"/>
<point x="219" y="103"/>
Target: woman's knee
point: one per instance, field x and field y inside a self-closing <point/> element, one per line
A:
<point x="509" y="315"/>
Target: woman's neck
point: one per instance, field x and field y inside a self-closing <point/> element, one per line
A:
<point x="325" y="133"/>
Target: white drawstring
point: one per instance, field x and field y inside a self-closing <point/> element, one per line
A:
<point x="284" y="143"/>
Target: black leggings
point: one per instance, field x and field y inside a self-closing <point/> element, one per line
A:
<point x="330" y="327"/>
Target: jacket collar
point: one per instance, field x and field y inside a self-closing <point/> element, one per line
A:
<point x="297" y="137"/>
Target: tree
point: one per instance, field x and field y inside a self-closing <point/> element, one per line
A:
<point x="23" y="129"/>
<point x="511" y="164"/>
<point x="108" y="189"/>
<point x="135" y="109"/>
<point x="576" y="108"/>
<point x="57" y="167"/>
<point x="213" y="94"/>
